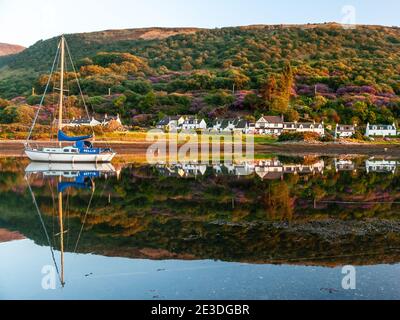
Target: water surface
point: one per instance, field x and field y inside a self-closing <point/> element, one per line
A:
<point x="278" y="228"/>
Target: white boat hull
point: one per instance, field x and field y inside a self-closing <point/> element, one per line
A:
<point x="40" y="156"/>
<point x="54" y="168"/>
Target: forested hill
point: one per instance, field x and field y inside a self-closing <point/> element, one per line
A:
<point x="323" y="71"/>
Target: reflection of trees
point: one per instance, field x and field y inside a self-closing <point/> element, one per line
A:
<point x="278" y="203"/>
<point x="224" y="217"/>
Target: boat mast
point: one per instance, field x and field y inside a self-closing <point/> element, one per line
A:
<point x="61" y="221"/>
<point x="60" y="109"/>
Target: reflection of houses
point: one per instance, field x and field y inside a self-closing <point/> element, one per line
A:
<point x="381" y="130"/>
<point x="185" y="170"/>
<point x="381" y="166"/>
<point x="270" y="169"/>
<point x="81" y="122"/>
<point x="240" y="169"/>
<point x="345" y="131"/>
<point x="274" y="169"/>
<point x="344" y="165"/>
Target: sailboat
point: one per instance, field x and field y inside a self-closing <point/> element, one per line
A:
<point x="82" y="150"/>
<point x="78" y="177"/>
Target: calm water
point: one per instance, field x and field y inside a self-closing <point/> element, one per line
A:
<point x="280" y="228"/>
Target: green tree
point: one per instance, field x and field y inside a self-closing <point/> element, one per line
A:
<point x="8" y="115"/>
<point x="148" y="102"/>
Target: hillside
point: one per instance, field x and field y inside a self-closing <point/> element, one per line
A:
<point x="7" y="49"/>
<point x="316" y="72"/>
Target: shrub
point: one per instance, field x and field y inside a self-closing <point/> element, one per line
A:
<point x="299" y="136"/>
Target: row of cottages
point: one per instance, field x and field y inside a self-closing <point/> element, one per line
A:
<point x="82" y="122"/>
<point x="175" y="123"/>
<point x="381" y="130"/>
<point x="275" y="125"/>
<point x="232" y="125"/>
<point x="373" y="130"/>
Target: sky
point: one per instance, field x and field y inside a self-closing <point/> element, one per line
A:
<point x="25" y="22"/>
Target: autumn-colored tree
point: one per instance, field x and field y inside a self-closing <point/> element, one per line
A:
<point x="4" y="103"/>
<point x="25" y="114"/>
<point x="269" y="90"/>
<point x="292" y="115"/>
<point x="287" y="82"/>
<point x="187" y="66"/>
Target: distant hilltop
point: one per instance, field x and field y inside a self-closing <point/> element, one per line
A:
<point x="135" y="34"/>
<point x="8" y="49"/>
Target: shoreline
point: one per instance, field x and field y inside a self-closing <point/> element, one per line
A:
<point x="15" y="148"/>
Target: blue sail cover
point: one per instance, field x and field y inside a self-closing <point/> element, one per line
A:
<point x="63" y="137"/>
<point x="82" y="181"/>
<point x="62" y="186"/>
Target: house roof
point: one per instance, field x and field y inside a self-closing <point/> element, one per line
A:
<point x="241" y="124"/>
<point x="345" y="127"/>
<point x="164" y="122"/>
<point x="167" y="120"/>
<point x="305" y="125"/>
<point x="81" y="121"/>
<point x="271" y="119"/>
<point x="382" y="127"/>
<point x="309" y="125"/>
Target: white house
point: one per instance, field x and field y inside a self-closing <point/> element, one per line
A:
<point x="345" y="131"/>
<point x="242" y="126"/>
<point x="92" y="122"/>
<point x="273" y="125"/>
<point x="232" y="125"/>
<point x="192" y="123"/>
<point x="107" y="119"/>
<point x="381" y="130"/>
<point x="270" y="125"/>
<point x="171" y="123"/>
<point x="318" y="128"/>
<point x="290" y="126"/>
<point x="223" y="125"/>
<point x="74" y="123"/>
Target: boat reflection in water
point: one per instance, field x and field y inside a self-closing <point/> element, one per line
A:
<point x="69" y="176"/>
